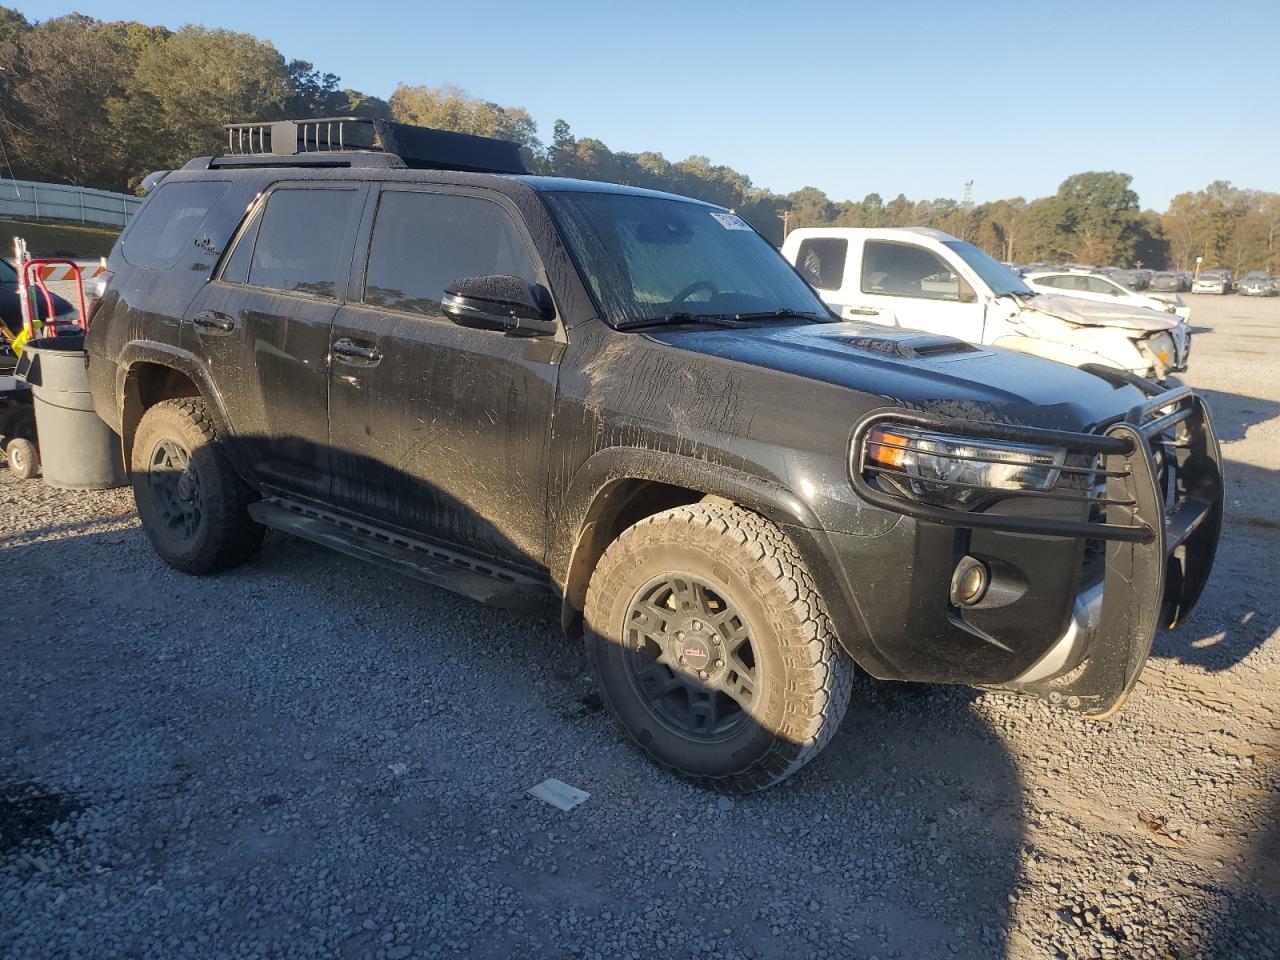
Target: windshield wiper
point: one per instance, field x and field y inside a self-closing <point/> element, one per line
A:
<point x="782" y="315"/>
<point x="719" y="319"/>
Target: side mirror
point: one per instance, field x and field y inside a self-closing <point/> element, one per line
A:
<point x="966" y="294"/>
<point x="502" y="303"/>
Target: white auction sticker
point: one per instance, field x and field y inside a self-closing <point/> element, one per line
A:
<point x="731" y="221"/>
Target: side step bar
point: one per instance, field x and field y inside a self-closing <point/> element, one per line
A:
<point x="487" y="582"/>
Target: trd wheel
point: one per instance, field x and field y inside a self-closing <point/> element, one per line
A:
<point x="192" y="503"/>
<point x="713" y="648"/>
<point x="24" y="458"/>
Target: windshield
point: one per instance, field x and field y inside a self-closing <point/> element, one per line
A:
<point x="649" y="257"/>
<point x="7" y="273"/>
<point x="994" y="274"/>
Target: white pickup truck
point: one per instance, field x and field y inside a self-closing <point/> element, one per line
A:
<point x="928" y="280"/>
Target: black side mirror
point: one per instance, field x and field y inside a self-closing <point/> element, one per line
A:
<point x="503" y="303"/>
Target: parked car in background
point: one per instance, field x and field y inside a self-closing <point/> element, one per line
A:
<point x="1211" y="281"/>
<point x="1258" y="283"/>
<point x="929" y="280"/>
<point x="1094" y="286"/>
<point x="1133" y="279"/>
<point x="1164" y="282"/>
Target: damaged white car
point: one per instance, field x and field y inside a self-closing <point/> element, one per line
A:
<point x="929" y="280"/>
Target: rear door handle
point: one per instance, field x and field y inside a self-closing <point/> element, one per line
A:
<point x="356" y="354"/>
<point x="213" y="320"/>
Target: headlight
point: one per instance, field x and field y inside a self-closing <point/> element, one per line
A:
<point x="1161" y="345"/>
<point x="1170" y="308"/>
<point x="957" y="471"/>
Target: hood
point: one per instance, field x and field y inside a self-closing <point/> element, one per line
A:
<point x="927" y="372"/>
<point x="1092" y="313"/>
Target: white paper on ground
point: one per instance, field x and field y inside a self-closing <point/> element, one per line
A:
<point x="559" y="794"/>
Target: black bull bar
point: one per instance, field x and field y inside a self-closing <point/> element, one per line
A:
<point x="1158" y="514"/>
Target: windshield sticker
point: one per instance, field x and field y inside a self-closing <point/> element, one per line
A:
<point x="731" y="221"/>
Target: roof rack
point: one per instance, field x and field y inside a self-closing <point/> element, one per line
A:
<point x="421" y="148"/>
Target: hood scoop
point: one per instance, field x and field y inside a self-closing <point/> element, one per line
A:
<point x="913" y="348"/>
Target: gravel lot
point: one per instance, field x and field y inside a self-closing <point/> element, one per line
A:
<point x="311" y="758"/>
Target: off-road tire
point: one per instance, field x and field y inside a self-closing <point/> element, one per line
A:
<point x="23" y="457"/>
<point x="226" y="536"/>
<point x="807" y="676"/>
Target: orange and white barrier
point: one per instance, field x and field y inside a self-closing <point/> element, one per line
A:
<point x="55" y="272"/>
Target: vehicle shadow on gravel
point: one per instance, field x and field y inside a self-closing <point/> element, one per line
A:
<point x="1235" y="616"/>
<point x="902" y="838"/>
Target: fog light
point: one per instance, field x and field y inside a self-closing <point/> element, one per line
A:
<point x="969" y="582"/>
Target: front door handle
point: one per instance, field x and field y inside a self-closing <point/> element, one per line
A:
<point x="863" y="311"/>
<point x="212" y="320"/>
<point x="356" y="354"/>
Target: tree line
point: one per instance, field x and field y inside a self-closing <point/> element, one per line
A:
<point x="101" y="104"/>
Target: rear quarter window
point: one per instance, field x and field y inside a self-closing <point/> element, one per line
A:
<point x="167" y="224"/>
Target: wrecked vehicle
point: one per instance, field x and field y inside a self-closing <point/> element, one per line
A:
<point x="928" y="280"/>
<point x="391" y="341"/>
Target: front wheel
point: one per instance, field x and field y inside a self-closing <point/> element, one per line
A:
<point x="713" y="649"/>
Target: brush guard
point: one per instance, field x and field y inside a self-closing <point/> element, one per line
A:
<point x="1156" y="505"/>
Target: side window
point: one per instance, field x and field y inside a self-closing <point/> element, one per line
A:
<point x="903" y="270"/>
<point x="821" y="261"/>
<point x="1050" y="282"/>
<point x="422" y="242"/>
<point x="1098" y="285"/>
<point x="300" y="241"/>
<point x="236" y="269"/>
<point x="167" y="223"/>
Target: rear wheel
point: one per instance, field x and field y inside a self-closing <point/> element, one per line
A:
<point x="192" y="503"/>
<point x="713" y="647"/>
<point x="24" y="458"/>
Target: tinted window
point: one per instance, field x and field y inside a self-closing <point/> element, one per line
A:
<point x="1050" y="281"/>
<point x="1098" y="285"/>
<point x="902" y="270"/>
<point x="301" y="241"/>
<point x="821" y="261"/>
<point x="422" y="242"/>
<point x="167" y="223"/>
<point x="236" y="269"/>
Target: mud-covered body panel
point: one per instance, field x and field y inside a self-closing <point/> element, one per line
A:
<point x="507" y="446"/>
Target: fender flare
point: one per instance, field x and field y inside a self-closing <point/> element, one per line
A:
<point x="588" y="496"/>
<point x="150" y="351"/>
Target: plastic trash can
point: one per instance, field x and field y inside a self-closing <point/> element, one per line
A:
<point x="77" y="450"/>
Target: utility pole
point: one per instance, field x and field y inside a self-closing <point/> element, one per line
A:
<point x="967" y="202"/>
<point x="785" y="217"/>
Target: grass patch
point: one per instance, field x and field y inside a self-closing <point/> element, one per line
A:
<point x="48" y="238"/>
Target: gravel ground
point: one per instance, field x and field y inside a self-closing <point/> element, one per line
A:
<point x="310" y="758"/>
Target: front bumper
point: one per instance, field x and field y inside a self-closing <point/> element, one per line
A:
<point x="1088" y="578"/>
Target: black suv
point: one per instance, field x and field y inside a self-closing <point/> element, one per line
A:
<point x="392" y="342"/>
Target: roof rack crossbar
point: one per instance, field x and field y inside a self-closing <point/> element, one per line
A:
<point x="418" y="147"/>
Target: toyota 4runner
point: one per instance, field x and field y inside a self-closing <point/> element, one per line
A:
<point x="392" y="341"/>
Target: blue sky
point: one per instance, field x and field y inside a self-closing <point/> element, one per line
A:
<point x="910" y="97"/>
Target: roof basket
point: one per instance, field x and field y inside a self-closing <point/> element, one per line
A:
<point x="421" y="148"/>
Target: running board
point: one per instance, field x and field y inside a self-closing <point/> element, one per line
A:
<point x="441" y="567"/>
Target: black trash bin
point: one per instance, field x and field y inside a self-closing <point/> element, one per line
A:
<point x="77" y="450"/>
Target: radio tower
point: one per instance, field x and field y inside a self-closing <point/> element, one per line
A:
<point x="967" y="202"/>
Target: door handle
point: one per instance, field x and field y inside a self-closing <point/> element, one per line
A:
<point x="213" y="320"/>
<point x="357" y="354"/>
<point x="863" y="311"/>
